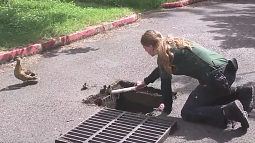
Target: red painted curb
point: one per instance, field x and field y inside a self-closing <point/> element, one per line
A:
<point x="36" y="48"/>
<point x="48" y="44"/>
<point x="180" y="3"/>
<point x="126" y="20"/>
<point x="63" y="39"/>
<point x="53" y="43"/>
<point x="5" y="56"/>
<point x="73" y="37"/>
<point x="86" y="33"/>
<point x="99" y="28"/>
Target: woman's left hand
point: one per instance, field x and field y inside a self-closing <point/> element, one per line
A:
<point x="161" y="107"/>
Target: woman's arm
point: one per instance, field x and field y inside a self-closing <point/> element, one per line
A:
<point x="166" y="91"/>
<point x="152" y="77"/>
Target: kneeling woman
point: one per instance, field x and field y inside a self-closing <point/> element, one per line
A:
<point x="213" y="101"/>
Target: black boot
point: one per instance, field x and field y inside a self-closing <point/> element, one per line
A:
<point x="246" y="96"/>
<point x="234" y="112"/>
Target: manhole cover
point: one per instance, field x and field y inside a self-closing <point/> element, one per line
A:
<point x="112" y="126"/>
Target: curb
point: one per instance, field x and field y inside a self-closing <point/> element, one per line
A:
<point x="179" y="3"/>
<point x="64" y="40"/>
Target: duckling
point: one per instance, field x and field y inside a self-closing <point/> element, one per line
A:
<point x="23" y="74"/>
<point x="108" y="90"/>
<point x="102" y="91"/>
<point x="85" y="86"/>
<point x="176" y="94"/>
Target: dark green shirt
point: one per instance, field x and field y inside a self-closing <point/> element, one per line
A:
<point x="194" y="62"/>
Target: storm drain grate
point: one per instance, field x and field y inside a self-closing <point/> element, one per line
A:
<point x="112" y="126"/>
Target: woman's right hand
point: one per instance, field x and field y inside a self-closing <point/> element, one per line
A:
<point x="140" y="84"/>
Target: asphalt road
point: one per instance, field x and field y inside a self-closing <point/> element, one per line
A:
<point x="41" y="112"/>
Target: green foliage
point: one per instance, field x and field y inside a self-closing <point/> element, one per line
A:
<point x="26" y="21"/>
<point x="23" y="22"/>
<point x="135" y="4"/>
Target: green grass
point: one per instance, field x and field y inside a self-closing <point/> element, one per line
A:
<point x="136" y="5"/>
<point x="23" y="22"/>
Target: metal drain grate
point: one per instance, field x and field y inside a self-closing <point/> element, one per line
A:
<point x="112" y="126"/>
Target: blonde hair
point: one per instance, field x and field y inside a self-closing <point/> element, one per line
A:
<point x="163" y="46"/>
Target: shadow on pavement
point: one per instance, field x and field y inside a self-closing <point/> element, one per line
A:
<point x="233" y="25"/>
<point x="158" y="13"/>
<point x="71" y="51"/>
<point x="192" y="132"/>
<point x="18" y="86"/>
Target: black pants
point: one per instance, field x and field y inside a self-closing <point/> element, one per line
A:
<point x="202" y="106"/>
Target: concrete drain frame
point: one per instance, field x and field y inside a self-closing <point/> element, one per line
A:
<point x="112" y="126"/>
<point x="123" y="119"/>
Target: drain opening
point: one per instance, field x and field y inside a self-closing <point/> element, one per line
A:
<point x="141" y="101"/>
